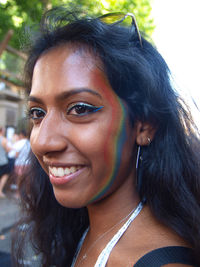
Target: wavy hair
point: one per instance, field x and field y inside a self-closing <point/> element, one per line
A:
<point x="169" y="176"/>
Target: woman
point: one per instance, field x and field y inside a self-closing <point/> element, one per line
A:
<point x="114" y="177"/>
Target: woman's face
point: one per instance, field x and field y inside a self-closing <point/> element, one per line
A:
<point x="81" y="133"/>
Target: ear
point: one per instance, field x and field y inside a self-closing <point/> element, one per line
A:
<point x="145" y="132"/>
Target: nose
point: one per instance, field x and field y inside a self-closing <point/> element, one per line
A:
<point x="49" y="136"/>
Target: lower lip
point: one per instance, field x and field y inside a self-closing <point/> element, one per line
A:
<point x="64" y="179"/>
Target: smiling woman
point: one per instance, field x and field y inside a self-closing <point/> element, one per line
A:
<point x="85" y="109"/>
<point x="114" y="179"/>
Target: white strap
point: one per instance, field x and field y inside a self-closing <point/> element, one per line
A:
<point x="103" y="257"/>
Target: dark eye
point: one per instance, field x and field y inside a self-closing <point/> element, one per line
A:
<point x="36" y="113"/>
<point x="81" y="109"/>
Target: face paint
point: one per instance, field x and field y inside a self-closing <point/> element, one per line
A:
<point x="117" y="148"/>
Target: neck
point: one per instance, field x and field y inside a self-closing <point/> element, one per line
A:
<point x="112" y="209"/>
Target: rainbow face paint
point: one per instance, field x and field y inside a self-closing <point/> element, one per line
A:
<point x="118" y="146"/>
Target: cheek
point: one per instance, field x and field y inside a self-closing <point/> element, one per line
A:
<point x="92" y="141"/>
<point x="88" y="138"/>
<point x="114" y="152"/>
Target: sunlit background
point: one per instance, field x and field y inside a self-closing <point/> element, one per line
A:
<point x="177" y="37"/>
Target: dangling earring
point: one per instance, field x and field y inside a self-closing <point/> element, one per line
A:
<point x="137" y="158"/>
<point x="149" y="140"/>
<point x="139" y="169"/>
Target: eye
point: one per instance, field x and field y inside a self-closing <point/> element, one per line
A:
<point x="36" y="113"/>
<point x="81" y="109"/>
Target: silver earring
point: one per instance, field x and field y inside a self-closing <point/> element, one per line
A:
<point x="138" y="179"/>
<point x="137" y="158"/>
<point x="149" y="140"/>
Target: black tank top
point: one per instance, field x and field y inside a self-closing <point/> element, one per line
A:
<point x="167" y="255"/>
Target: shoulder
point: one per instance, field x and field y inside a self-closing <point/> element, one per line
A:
<point x="158" y="245"/>
<point x="167" y="256"/>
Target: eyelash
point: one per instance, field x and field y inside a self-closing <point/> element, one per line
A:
<point x="30" y="113"/>
<point x="79" y="111"/>
<point x="79" y="107"/>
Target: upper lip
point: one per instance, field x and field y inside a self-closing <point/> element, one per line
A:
<point x="61" y="164"/>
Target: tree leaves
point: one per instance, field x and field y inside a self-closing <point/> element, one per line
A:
<point x="16" y="14"/>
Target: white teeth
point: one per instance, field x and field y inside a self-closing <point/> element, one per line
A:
<point x="67" y="171"/>
<point x="72" y="169"/>
<point x="59" y="172"/>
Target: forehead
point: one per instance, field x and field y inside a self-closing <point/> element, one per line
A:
<point x="67" y="57"/>
<point x="69" y="65"/>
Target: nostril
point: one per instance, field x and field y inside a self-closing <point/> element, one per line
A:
<point x="54" y="153"/>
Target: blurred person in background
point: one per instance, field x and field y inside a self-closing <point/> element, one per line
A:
<point x="12" y="154"/>
<point x="17" y="156"/>
<point x="22" y="148"/>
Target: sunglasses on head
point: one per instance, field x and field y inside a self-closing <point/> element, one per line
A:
<point x="118" y="17"/>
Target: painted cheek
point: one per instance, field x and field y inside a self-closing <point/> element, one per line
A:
<point x="116" y="135"/>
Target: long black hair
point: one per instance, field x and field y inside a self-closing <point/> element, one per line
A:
<point x="169" y="175"/>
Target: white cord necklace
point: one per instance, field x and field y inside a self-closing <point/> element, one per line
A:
<point x="104" y="255"/>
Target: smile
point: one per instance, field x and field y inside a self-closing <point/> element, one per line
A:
<point x="62" y="175"/>
<point x="60" y="171"/>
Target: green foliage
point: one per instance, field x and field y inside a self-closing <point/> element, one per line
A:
<point x="10" y="58"/>
<point x="16" y="14"/>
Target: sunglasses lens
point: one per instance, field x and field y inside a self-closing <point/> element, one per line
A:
<point x="127" y="19"/>
<point x="111" y="18"/>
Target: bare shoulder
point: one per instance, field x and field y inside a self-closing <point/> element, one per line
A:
<point x="148" y="234"/>
<point x="155" y="234"/>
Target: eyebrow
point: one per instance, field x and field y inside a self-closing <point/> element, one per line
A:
<point x="65" y="95"/>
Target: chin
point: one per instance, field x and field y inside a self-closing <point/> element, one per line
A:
<point x="69" y="202"/>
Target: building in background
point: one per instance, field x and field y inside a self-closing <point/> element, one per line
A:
<point x="12" y="91"/>
<point x="12" y="106"/>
